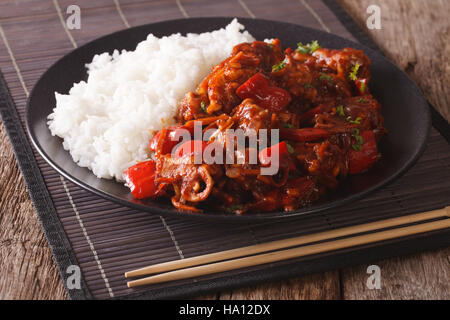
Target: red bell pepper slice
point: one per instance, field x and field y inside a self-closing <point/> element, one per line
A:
<point x="265" y="156"/>
<point x="169" y="141"/>
<point x="258" y="89"/>
<point x="363" y="159"/>
<point x="140" y="179"/>
<point x="305" y="134"/>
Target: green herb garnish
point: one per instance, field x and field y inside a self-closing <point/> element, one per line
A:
<point x="270" y="45"/>
<point x="362" y="87"/>
<point x="324" y="76"/>
<point x="202" y="106"/>
<point x="280" y="66"/>
<point x="354" y="72"/>
<point x="290" y="148"/>
<point x="340" y="110"/>
<point x="359" y="140"/>
<point x="362" y="100"/>
<point x="308" y="48"/>
<point x="356" y="121"/>
<point x="288" y="125"/>
<point x="308" y="86"/>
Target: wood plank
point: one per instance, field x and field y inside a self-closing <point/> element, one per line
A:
<point x="421" y="276"/>
<point x="413" y="40"/>
<point x="318" y="286"/>
<point x="24" y="254"/>
<point x="23" y="249"/>
<point x="206" y="8"/>
<point x="416" y="36"/>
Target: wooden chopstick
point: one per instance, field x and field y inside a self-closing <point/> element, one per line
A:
<point x="290" y="253"/>
<point x="285" y="243"/>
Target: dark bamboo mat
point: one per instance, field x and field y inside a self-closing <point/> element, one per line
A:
<point x="106" y="239"/>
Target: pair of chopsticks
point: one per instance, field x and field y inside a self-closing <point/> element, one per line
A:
<point x="248" y="256"/>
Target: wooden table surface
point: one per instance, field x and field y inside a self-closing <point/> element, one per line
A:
<point x="415" y="35"/>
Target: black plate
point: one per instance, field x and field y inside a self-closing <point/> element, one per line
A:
<point x="404" y="108"/>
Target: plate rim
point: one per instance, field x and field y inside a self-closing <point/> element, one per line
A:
<point x="227" y="217"/>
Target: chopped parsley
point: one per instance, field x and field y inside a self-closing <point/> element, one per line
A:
<point x="308" y="48"/>
<point x="288" y="125"/>
<point x="354" y="72"/>
<point x="340" y="110"/>
<point x="270" y="45"/>
<point x="280" y="66"/>
<point x="324" y="76"/>
<point x="308" y="86"/>
<point x="356" y="121"/>
<point x="362" y="87"/>
<point x="359" y="140"/>
<point x="202" y="106"/>
<point x="362" y="100"/>
<point x="290" y="148"/>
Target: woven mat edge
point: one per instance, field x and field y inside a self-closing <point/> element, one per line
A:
<point x="57" y="238"/>
<point x="46" y="212"/>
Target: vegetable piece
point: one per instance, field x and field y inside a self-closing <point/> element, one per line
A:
<point x="308" y="48"/>
<point x="284" y="160"/>
<point x="203" y="107"/>
<point x="363" y="159"/>
<point x="354" y="73"/>
<point x="191" y="148"/>
<point x="290" y="148"/>
<point x="168" y="139"/>
<point x="340" y="110"/>
<point x="361" y="84"/>
<point x="280" y="66"/>
<point x="140" y="179"/>
<point x="266" y="154"/>
<point x="305" y="134"/>
<point x="358" y="138"/>
<point x="356" y="121"/>
<point x="258" y="89"/>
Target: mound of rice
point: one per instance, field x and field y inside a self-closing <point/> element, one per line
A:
<point x="107" y="122"/>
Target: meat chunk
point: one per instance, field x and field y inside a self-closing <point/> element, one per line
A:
<point x="343" y="61"/>
<point x="317" y="99"/>
<point x="217" y="92"/>
<point x="250" y="116"/>
<point x="342" y="116"/>
<point x="311" y="80"/>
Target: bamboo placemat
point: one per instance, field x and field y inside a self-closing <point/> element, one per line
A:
<point x="106" y="239"/>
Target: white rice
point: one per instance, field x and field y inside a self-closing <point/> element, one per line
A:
<point x="107" y="122"/>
